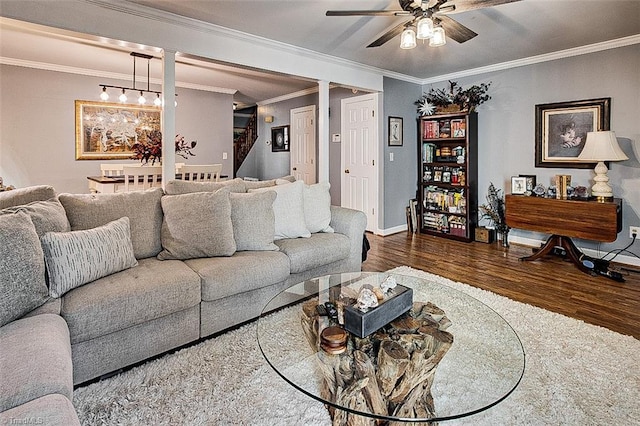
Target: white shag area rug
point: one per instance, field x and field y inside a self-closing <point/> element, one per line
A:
<point x="576" y="374"/>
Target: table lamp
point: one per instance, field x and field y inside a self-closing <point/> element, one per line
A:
<point x="601" y="146"/>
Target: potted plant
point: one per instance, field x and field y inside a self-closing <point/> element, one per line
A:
<point x="494" y="212"/>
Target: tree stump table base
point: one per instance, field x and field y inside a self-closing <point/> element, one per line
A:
<point x="389" y="373"/>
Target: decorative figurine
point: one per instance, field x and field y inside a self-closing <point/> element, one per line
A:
<point x="366" y="299"/>
<point x="388" y="284"/>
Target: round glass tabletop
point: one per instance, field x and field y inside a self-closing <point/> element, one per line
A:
<point x="481" y="363"/>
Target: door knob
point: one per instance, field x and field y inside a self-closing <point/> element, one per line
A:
<point x="294" y="169"/>
<point x="346" y="171"/>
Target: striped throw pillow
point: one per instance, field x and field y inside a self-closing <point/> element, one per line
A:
<point x="80" y="257"/>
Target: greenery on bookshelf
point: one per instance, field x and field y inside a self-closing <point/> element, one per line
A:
<point x="456" y="99"/>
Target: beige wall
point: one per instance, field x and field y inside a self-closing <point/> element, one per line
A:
<point x="37" y="127"/>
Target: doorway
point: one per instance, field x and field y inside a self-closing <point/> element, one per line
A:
<point x="303" y="144"/>
<point x="359" y="182"/>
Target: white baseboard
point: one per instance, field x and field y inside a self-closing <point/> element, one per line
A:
<point x="627" y="260"/>
<point x="394" y="230"/>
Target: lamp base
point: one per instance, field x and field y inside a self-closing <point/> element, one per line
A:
<point x="601" y="189"/>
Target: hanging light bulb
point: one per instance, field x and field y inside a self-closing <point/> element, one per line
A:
<point x="438" y="39"/>
<point x="104" y="95"/>
<point x="141" y="99"/>
<point x="408" y="38"/>
<point x="424" y="29"/>
<point x="157" y="101"/>
<point x="123" y="97"/>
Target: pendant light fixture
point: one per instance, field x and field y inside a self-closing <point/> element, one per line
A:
<point x="424" y="28"/>
<point x="408" y="38"/>
<point x="123" y="96"/>
<point x="438" y="38"/>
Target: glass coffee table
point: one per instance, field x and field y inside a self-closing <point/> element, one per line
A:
<point x="449" y="357"/>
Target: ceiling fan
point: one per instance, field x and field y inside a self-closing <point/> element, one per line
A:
<point x="421" y="12"/>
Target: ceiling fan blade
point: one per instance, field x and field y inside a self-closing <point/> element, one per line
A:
<point x="389" y="35"/>
<point x="366" y="13"/>
<point x="455" y="30"/>
<point x="465" y="5"/>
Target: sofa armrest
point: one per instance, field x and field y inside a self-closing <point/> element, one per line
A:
<point x="351" y="223"/>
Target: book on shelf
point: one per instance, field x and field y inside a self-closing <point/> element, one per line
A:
<point x="458" y="128"/>
<point x="431" y="130"/>
<point x="428" y="152"/>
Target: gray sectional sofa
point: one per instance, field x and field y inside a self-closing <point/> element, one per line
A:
<point x="180" y="265"/>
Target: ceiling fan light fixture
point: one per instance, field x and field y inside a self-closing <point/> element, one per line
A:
<point x="408" y="39"/>
<point x="438" y="38"/>
<point x="424" y="28"/>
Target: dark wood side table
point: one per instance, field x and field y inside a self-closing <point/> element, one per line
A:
<point x="565" y="219"/>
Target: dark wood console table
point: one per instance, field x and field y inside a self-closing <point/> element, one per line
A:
<point x="565" y="219"/>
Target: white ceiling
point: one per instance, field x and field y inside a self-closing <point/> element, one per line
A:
<point x="507" y="32"/>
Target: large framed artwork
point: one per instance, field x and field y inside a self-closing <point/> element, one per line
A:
<point x="107" y="131"/>
<point x="280" y="139"/>
<point x="561" y="130"/>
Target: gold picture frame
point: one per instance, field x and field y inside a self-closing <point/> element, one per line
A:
<point x="107" y="131"/>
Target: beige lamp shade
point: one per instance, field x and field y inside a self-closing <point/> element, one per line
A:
<point x="601" y="146"/>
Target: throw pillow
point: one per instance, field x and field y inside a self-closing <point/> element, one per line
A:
<point x="22" y="282"/>
<point x="253" y="220"/>
<point x="27" y="195"/>
<point x="176" y="187"/>
<point x="317" y="206"/>
<point x="197" y="225"/>
<point x="79" y="257"/>
<point x="289" y="210"/>
<point x="88" y="211"/>
<point x="47" y="216"/>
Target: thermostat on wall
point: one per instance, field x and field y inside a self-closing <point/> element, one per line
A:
<point x="335" y="137"/>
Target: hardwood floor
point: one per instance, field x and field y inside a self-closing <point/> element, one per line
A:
<point x="552" y="283"/>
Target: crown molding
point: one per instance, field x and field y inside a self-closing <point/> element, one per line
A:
<point x="209" y="28"/>
<point x="561" y="54"/>
<point x="105" y="74"/>
<point x="294" y="95"/>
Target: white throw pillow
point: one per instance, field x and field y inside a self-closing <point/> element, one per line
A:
<point x="80" y="257"/>
<point x="288" y="209"/>
<point x="317" y="206"/>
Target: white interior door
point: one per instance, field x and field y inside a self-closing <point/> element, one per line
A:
<point x="303" y="144"/>
<point x="359" y="183"/>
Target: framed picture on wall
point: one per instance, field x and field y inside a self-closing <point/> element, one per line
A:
<point x="280" y="139"/>
<point x="107" y="131"/>
<point x="395" y="131"/>
<point x="561" y="130"/>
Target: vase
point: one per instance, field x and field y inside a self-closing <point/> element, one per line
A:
<point x="504" y="238"/>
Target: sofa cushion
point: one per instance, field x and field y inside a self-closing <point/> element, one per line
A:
<point x="20" y="196"/>
<point x="47" y="216"/>
<point x="35" y="360"/>
<point x="257" y="184"/>
<point x="253" y="220"/>
<point x="22" y="273"/>
<point x="79" y="257"/>
<point x="317" y="207"/>
<point x="176" y="187"/>
<point x="197" y="225"/>
<point x="50" y="410"/>
<point x="150" y="290"/>
<point x="320" y="249"/>
<point x="289" y="210"/>
<point x="86" y="211"/>
<point x="242" y="272"/>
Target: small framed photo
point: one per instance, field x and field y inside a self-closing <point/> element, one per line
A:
<point x="518" y="185"/>
<point x="395" y="131"/>
<point x="280" y="139"/>
<point x="531" y="181"/>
